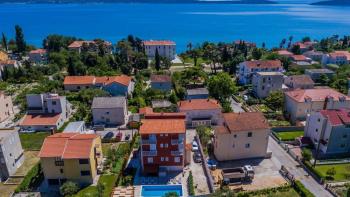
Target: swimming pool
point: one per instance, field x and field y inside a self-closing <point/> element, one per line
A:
<point x="160" y="190"/>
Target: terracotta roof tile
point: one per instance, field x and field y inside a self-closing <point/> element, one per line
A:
<point x="158" y="42"/>
<point x="264" y="64"/>
<point x="299" y="58"/>
<point x="154" y="126"/>
<point x="301" y="79"/>
<point x="160" y="78"/>
<point x="40" y="119"/>
<point x="68" y="145"/>
<point x="284" y="52"/>
<point x="318" y="94"/>
<point x="199" y="104"/>
<point x="246" y="121"/>
<point x="39" y="51"/>
<point x="121" y="79"/>
<point x="79" y="80"/>
<point x="337" y="116"/>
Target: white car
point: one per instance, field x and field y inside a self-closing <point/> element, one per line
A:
<point x="194" y="146"/>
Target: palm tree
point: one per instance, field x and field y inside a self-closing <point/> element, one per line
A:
<point x="189" y="46"/>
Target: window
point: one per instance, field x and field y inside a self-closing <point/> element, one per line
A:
<point x="247" y="145"/>
<point x="150" y="160"/>
<point x="316" y="130"/>
<point x="53" y="102"/>
<point x="161" y="145"/>
<point x="85" y="173"/>
<point x="166" y="135"/>
<point x="345" y="136"/>
<point x="233" y="145"/>
<point x="61" y="171"/>
<point x="250" y="134"/>
<point x="162" y="159"/>
<point x="235" y="136"/>
<point x="83" y="161"/>
<point x="166" y="158"/>
<point x="319" y="120"/>
<point x="177" y="159"/>
<point x="166" y="145"/>
<point x="107" y="112"/>
<point x="59" y="161"/>
<point x="342" y="145"/>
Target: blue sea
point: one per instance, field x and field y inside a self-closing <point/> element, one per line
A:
<point x="182" y="23"/>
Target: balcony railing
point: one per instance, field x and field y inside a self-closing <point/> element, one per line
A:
<point x="149" y="141"/>
<point x="149" y="153"/>
<point x="176" y="153"/>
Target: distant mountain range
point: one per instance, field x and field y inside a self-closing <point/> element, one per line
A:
<point x="144" y="1"/>
<point x="333" y="2"/>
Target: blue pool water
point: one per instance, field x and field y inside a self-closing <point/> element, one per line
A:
<point x="182" y="23"/>
<point x="160" y="190"/>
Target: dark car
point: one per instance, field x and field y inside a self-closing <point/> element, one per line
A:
<point x="127" y="136"/>
<point x="197" y="157"/>
<point x="109" y="135"/>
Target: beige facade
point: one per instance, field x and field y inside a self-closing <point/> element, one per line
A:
<point x="242" y="136"/>
<point x="58" y="170"/>
<point x="238" y="145"/>
<point x="266" y="82"/>
<point x="6" y="107"/>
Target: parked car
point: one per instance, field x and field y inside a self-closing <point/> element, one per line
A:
<point x="109" y="135"/>
<point x="212" y="164"/>
<point x="194" y="146"/>
<point x="197" y="157"/>
<point x="127" y="136"/>
<point x="119" y="136"/>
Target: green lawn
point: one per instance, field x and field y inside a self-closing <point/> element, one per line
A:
<point x="33" y="141"/>
<point x="107" y="180"/>
<point x="342" y="171"/>
<point x="289" y="135"/>
<point x="289" y="193"/>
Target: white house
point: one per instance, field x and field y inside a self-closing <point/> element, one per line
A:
<point x="165" y="48"/>
<point x="337" y="57"/>
<point x="248" y="68"/>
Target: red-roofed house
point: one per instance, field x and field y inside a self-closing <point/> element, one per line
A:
<point x="161" y="82"/>
<point x="165" y="48"/>
<point x="162" y="145"/>
<point x="121" y="85"/>
<point x="243" y="135"/>
<point x="300" y="60"/>
<point x="201" y="112"/>
<point x="337" y="57"/>
<point x="248" y="68"/>
<point x="38" y="56"/>
<point x="301" y="102"/>
<point x="90" y="46"/>
<point x="331" y="130"/>
<point x="71" y="157"/>
<point x="45" y="112"/>
<point x="284" y="53"/>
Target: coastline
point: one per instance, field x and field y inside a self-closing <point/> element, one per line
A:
<point x="241" y="2"/>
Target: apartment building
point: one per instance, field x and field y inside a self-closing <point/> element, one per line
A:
<point x="163" y="140"/>
<point x="316" y="74"/>
<point x="330" y="129"/>
<point x="165" y="48"/>
<point x="45" y="112"/>
<point x="242" y="136"/>
<point x="11" y="153"/>
<point x="266" y="82"/>
<point x="301" y="102"/>
<point x="248" y="68"/>
<point x="110" y="111"/>
<point x="71" y="157"/>
<point x="337" y="57"/>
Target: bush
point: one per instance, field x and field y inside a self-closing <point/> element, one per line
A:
<point x="330" y="173"/>
<point x="302" y="191"/>
<point x="69" y="188"/>
<point x="33" y="179"/>
<point x="315" y="172"/>
<point x="190" y="185"/>
<point x="307" y="155"/>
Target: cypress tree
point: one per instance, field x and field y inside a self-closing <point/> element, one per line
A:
<point x="157" y="60"/>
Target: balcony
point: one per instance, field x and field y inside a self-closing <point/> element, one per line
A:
<point x="149" y="141"/>
<point x="149" y="153"/>
<point x="176" y="153"/>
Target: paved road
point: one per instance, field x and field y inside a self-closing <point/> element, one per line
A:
<point x="236" y="107"/>
<point x="299" y="173"/>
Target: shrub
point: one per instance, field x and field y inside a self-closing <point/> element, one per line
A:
<point x="302" y="191"/>
<point x="330" y="173"/>
<point x="190" y="185"/>
<point x="307" y="155"/>
<point x="69" y="188"/>
<point x="33" y="178"/>
<point x="171" y="194"/>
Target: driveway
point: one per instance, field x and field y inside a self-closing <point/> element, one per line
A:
<point x="115" y="131"/>
<point x="281" y="157"/>
<point x="236" y="107"/>
<point x="199" y="178"/>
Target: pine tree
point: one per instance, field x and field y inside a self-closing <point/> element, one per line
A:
<point x="4" y="41"/>
<point x="20" y="43"/>
<point x="157" y="60"/>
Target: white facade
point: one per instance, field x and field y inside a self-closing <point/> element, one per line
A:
<point x="165" y="49"/>
<point x="248" y="68"/>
